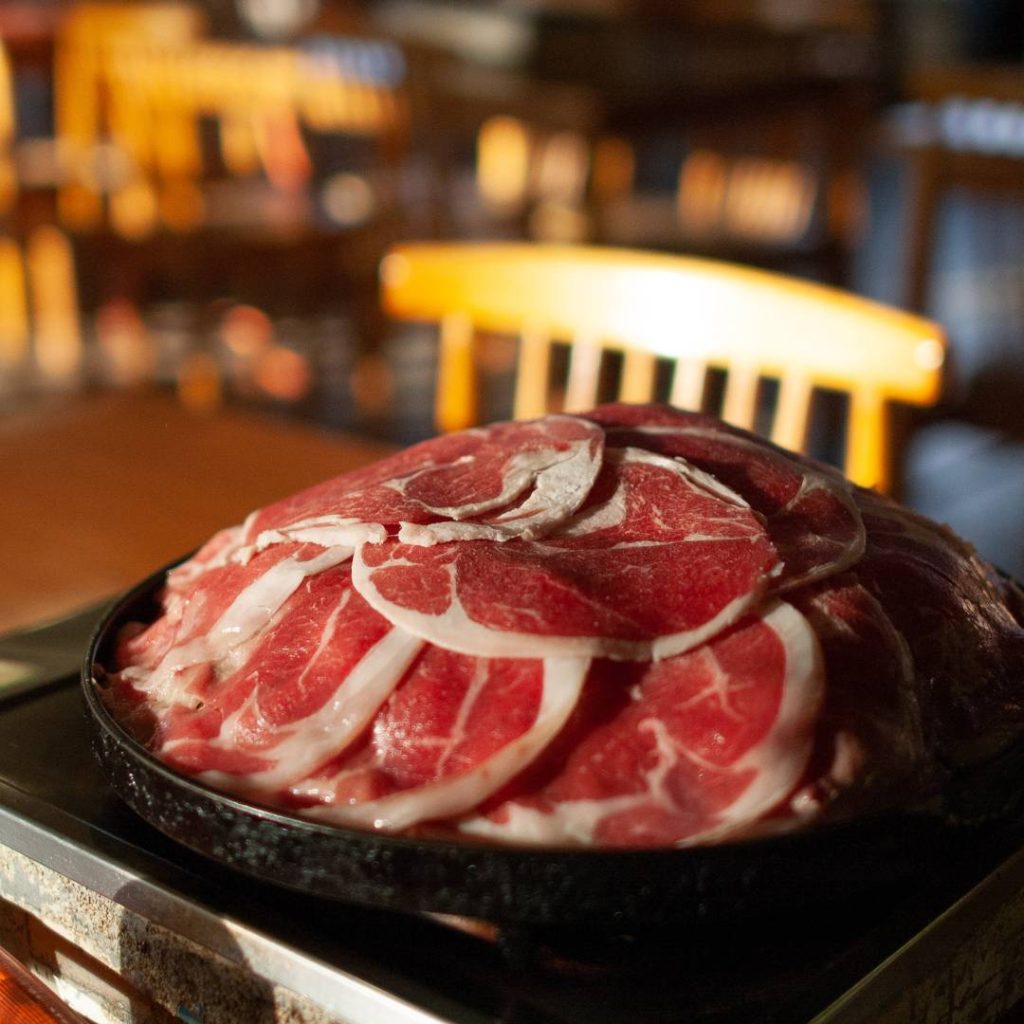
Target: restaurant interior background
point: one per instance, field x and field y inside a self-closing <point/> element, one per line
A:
<point x="196" y="196"/>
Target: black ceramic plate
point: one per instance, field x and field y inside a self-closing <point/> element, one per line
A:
<point x="620" y="890"/>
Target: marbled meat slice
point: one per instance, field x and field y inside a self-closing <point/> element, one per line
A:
<point x="512" y="479"/>
<point x="869" y="749"/>
<point x="618" y="415"/>
<point x="214" y="553"/>
<point x="212" y="621"/>
<point x="311" y="683"/>
<point x="455" y="731"/>
<point x="810" y="512"/>
<point x="659" y="559"/>
<point x="688" y="749"/>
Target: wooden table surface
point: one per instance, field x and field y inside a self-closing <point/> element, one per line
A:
<point x="98" y="491"/>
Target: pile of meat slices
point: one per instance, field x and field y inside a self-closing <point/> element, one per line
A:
<point x="637" y="627"/>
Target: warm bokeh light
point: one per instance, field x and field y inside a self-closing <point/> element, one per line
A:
<point x="246" y="331"/>
<point x="503" y="161"/>
<point x="199" y="382"/>
<point x="13" y="307"/>
<point x="125" y="344"/>
<point x="54" y="295"/>
<point x="348" y="199"/>
<point x="561" y="171"/>
<point x="283" y="373"/>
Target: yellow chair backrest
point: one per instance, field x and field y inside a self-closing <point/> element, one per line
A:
<point x="698" y="314"/>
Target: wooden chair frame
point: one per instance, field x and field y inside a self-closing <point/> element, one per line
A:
<point x="698" y="313"/>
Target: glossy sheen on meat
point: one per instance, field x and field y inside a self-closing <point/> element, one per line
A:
<point x="455" y="731"/>
<point x="306" y="690"/>
<point x="511" y="479"/>
<point x="211" y="620"/>
<point x="660" y="559"/>
<point x="697" y="745"/>
<point x="810" y="516"/>
<point x="641" y="627"/>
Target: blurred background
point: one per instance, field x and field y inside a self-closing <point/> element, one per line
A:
<point x="196" y="196"/>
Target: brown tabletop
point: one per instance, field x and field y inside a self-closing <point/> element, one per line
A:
<point x="98" y="491"/>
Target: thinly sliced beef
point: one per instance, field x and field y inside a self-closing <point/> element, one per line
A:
<point x="699" y="746"/>
<point x="214" y="553"/>
<point x="967" y="646"/>
<point x="869" y="746"/>
<point x="811" y="516"/>
<point x="214" y="618"/>
<point x="621" y="415"/>
<point x="512" y="479"/>
<point x="657" y="561"/>
<point x="456" y="730"/>
<point x="309" y="687"/>
<point x="569" y="632"/>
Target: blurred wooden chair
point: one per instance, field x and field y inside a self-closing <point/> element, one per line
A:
<point x="695" y="314"/>
<point x="134" y="82"/>
<point x="89" y="35"/>
<point x="964" y="129"/>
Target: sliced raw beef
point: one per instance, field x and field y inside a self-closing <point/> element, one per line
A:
<point x="869" y="747"/>
<point x="213" y="620"/>
<point x="455" y="731"/>
<point x="660" y="559"/>
<point x="513" y="479"/>
<point x="620" y="415"/>
<point x="699" y="746"/>
<point x="215" y="552"/>
<point x="569" y="632"/>
<point x="967" y="646"/>
<point x="811" y="516"/>
<point x="308" y="688"/>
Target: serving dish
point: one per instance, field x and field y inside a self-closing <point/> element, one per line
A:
<point x="540" y="887"/>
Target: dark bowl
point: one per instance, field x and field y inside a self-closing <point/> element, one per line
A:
<point x="614" y="890"/>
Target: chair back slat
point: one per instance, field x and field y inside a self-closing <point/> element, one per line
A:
<point x="792" y="412"/>
<point x="697" y="313"/>
<point x="581" y="389"/>
<point x="533" y="375"/>
<point x="688" y="382"/>
<point x="741" y="391"/>
<point x="639" y="371"/>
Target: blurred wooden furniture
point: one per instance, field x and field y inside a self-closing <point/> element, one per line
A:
<point x="965" y="131"/>
<point x="697" y="314"/>
<point x="263" y="103"/>
<point x="88" y="36"/>
<point x="136" y="85"/>
<point x="101" y="490"/>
